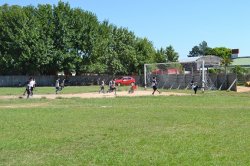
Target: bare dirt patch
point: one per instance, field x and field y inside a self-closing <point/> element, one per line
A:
<point x="243" y="89"/>
<point x="97" y="95"/>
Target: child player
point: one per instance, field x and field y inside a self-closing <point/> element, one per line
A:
<point x="132" y="88"/>
<point x="28" y="89"/>
<point x="102" y="87"/>
<point x="113" y="86"/>
<point x="154" y="86"/>
<point x="194" y="86"/>
<point x="57" y="85"/>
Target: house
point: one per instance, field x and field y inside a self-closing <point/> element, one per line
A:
<point x="195" y="63"/>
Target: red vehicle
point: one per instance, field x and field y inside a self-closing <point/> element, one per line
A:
<point x="126" y="80"/>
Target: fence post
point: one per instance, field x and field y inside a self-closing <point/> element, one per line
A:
<point x="232" y="84"/>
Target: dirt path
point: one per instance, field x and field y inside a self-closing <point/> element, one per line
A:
<point x="108" y="95"/>
<point x="243" y="89"/>
<point x="96" y="95"/>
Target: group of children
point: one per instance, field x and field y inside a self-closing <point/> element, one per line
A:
<point x="31" y="84"/>
<point x="194" y="86"/>
<point x="112" y="87"/>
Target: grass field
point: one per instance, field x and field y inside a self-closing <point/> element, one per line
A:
<point x="204" y="129"/>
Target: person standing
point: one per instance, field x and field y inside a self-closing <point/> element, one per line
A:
<point x="113" y="87"/>
<point x="110" y="87"/>
<point x="57" y="85"/>
<point x="154" y="86"/>
<point x="62" y="84"/>
<point x="102" y="86"/>
<point x="194" y="86"/>
<point x="28" y="89"/>
<point x="33" y="85"/>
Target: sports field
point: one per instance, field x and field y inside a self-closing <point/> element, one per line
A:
<point x="203" y="129"/>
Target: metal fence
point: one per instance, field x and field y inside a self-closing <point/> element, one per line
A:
<point x="178" y="81"/>
<point x="182" y="81"/>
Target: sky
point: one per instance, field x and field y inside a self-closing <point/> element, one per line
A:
<point x="180" y="23"/>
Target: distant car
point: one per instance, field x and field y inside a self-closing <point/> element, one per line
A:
<point x="126" y="80"/>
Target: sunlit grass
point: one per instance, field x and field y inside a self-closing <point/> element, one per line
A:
<point x="203" y="129"/>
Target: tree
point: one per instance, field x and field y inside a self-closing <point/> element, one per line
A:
<point x="51" y="66"/>
<point x="145" y="52"/>
<point x="194" y="52"/>
<point x="200" y="50"/>
<point x="239" y="70"/>
<point x="225" y="54"/>
<point x="160" y="56"/>
<point x="203" y="48"/>
<point x="171" y="55"/>
<point x="48" y="39"/>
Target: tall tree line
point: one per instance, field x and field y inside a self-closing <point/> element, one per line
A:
<point x="48" y="39"/>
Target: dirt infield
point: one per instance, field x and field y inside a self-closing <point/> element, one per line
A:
<point x="109" y="95"/>
<point x="97" y="95"/>
<point x="243" y="89"/>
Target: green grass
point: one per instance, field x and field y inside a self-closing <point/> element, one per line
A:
<point x="205" y="129"/>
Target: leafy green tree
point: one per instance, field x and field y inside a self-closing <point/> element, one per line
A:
<point x="124" y="48"/>
<point x="200" y="50"/>
<point x="47" y="39"/>
<point x="171" y="55"/>
<point x="48" y="52"/>
<point x="102" y="54"/>
<point x="239" y="70"/>
<point x="84" y="38"/>
<point x="194" y="52"/>
<point x="203" y="48"/>
<point x="145" y="52"/>
<point x="225" y="54"/>
<point x="15" y="40"/>
<point x="160" y="56"/>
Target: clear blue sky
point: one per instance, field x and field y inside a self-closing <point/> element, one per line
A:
<point x="180" y="23"/>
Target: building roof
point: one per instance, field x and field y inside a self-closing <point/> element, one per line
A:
<point x="210" y="60"/>
<point x="195" y="63"/>
<point x="190" y="59"/>
<point x="241" y="61"/>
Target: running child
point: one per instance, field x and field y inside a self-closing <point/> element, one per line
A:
<point x="62" y="84"/>
<point x="57" y="85"/>
<point x="113" y="87"/>
<point x="28" y="89"/>
<point x="102" y="87"/>
<point x="154" y="86"/>
<point x="132" y="88"/>
<point x="110" y="86"/>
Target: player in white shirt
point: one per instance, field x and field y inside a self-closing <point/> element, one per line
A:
<point x="32" y="84"/>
